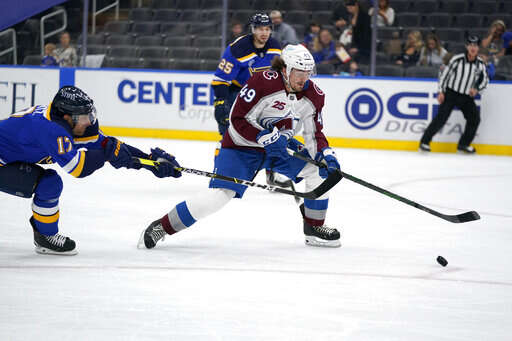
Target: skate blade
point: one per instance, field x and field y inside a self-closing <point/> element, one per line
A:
<point x="314" y="241"/>
<point x="45" y="251"/>
<point x="140" y="243"/>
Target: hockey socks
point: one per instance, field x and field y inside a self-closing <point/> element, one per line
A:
<point x="314" y="211"/>
<point x="177" y="219"/>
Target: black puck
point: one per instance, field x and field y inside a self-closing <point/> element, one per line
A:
<point x="442" y="261"/>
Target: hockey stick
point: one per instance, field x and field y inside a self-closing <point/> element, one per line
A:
<point x="325" y="186"/>
<point x="458" y="218"/>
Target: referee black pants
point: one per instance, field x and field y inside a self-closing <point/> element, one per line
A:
<point x="468" y="107"/>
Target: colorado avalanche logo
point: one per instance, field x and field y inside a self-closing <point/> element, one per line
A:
<point x="320" y="92"/>
<point x="269" y="74"/>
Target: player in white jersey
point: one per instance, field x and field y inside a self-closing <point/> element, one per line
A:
<point x="269" y="110"/>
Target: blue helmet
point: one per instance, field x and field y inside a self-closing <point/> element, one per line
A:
<point x="260" y="19"/>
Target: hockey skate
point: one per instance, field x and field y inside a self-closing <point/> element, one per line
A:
<point x="321" y="236"/>
<point x="151" y="235"/>
<point x="53" y="245"/>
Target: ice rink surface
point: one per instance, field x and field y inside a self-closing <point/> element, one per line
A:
<point x="245" y="273"/>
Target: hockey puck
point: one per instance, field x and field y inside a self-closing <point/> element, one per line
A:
<point x="442" y="261"/>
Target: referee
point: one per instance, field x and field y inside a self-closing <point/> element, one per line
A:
<point x="461" y="80"/>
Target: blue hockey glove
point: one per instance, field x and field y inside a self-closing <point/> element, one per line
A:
<point x="166" y="166"/>
<point x="274" y="143"/>
<point x="221" y="109"/>
<point x="298" y="147"/>
<point x="328" y="157"/>
<point x="116" y="152"/>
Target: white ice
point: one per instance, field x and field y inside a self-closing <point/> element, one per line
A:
<point x="245" y="273"/>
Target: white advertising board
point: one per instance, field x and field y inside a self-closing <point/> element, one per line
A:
<point x="25" y="87"/>
<point x="356" y="108"/>
<point x="401" y="109"/>
<point x="159" y="100"/>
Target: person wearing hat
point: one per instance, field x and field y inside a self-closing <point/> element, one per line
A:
<point x="459" y="83"/>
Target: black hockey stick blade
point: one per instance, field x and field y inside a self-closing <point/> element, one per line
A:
<point x="328" y="183"/>
<point x="465" y="217"/>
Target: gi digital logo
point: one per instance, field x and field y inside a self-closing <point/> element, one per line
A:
<point x="364" y="108"/>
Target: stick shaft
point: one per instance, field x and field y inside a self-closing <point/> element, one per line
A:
<point x="320" y="190"/>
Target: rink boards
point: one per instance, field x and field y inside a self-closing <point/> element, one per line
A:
<point x="365" y="112"/>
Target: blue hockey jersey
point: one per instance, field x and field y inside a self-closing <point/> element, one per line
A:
<point x="240" y="60"/>
<point x="32" y="136"/>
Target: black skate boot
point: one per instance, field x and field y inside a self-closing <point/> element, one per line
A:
<point x="152" y="235"/>
<point x="320" y="235"/>
<point x="53" y="245"/>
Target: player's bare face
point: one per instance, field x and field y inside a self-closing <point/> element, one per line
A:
<point x="261" y="35"/>
<point x="298" y="79"/>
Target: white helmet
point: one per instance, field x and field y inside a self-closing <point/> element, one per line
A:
<point x="297" y="57"/>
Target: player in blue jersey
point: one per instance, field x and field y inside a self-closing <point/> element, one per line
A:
<point x="246" y="55"/>
<point x="64" y="132"/>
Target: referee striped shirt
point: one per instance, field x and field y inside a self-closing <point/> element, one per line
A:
<point x="460" y="75"/>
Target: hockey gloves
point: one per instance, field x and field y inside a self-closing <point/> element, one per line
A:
<point x="328" y="157"/>
<point x="166" y="164"/>
<point x="116" y="152"/>
<point x="274" y="143"/>
<point x="298" y="147"/>
<point x="221" y="114"/>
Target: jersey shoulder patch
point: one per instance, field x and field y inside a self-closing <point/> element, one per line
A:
<point x="242" y="47"/>
<point x="266" y="82"/>
<point x="315" y="95"/>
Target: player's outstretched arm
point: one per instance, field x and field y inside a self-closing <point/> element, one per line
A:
<point x="120" y="154"/>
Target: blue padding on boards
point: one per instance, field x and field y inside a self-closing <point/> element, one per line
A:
<point x="67" y="76"/>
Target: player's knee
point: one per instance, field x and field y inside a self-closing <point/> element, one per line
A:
<point x="50" y="185"/>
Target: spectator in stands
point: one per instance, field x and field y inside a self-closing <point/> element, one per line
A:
<point x="411" y="51"/>
<point x="446" y="61"/>
<point x="283" y="33"/>
<point x="353" y="70"/>
<point x="432" y="53"/>
<point x="66" y="54"/>
<point x="386" y="15"/>
<point x="361" y="30"/>
<point x="491" y="68"/>
<point x="340" y="16"/>
<point x="49" y="55"/>
<point x="507" y="43"/>
<point x="237" y="30"/>
<point x="324" y="48"/>
<point x="393" y="47"/>
<point x="492" y="45"/>
<point x="312" y="33"/>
